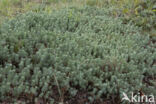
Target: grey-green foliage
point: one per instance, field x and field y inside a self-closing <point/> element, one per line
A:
<point x="83" y="49"/>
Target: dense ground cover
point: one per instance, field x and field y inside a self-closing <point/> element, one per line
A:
<point x="74" y="55"/>
<point x="76" y="51"/>
<point x="141" y="12"/>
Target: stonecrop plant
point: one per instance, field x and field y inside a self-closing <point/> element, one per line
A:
<point x="56" y="57"/>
